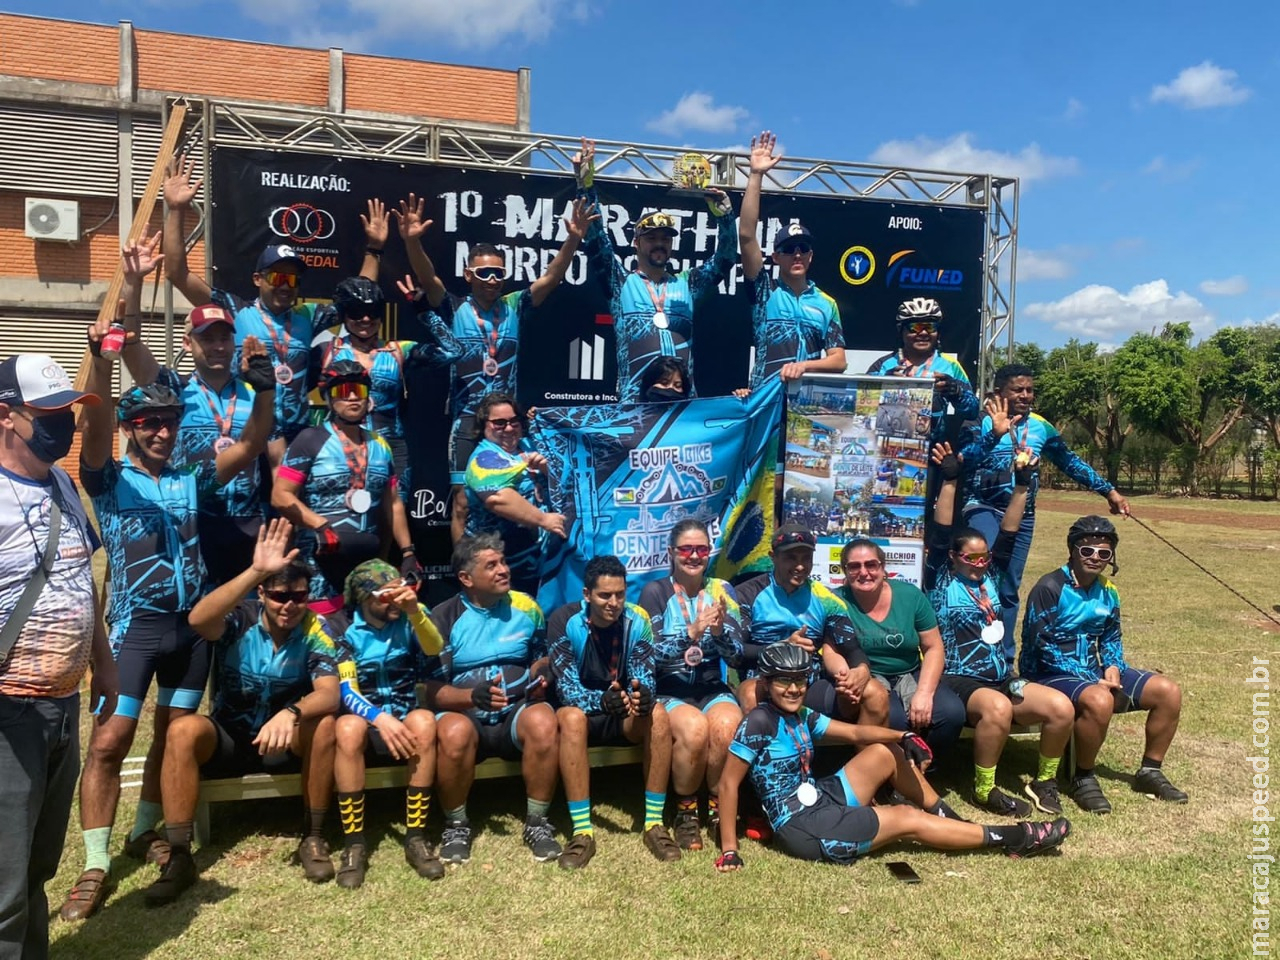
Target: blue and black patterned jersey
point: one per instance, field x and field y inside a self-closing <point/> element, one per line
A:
<point x="492" y="469"/>
<point x="1070" y="630"/>
<point x="288" y="340"/>
<point x="204" y="407"/>
<point x="960" y="616"/>
<point x="632" y="305"/>
<point x="790" y="328"/>
<point x="576" y="655"/>
<point x="669" y="619"/>
<point x="770" y="614"/>
<point x="386" y="376"/>
<point x="380" y="667"/>
<point x="465" y="337"/>
<point x="964" y="407"/>
<point x="254" y="679"/>
<point x="778" y="747"/>
<point x="484" y="644"/>
<point x="149" y="527"/>
<point x="991" y="482"/>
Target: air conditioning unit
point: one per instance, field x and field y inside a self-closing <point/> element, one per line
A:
<point x="52" y="219"/>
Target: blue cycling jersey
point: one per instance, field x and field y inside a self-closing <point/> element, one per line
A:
<point x="288" y="341"/>
<point x="207" y="416"/>
<point x="778" y="748"/>
<point x="633" y="301"/>
<point x="583" y="655"/>
<point x="1071" y="630"/>
<point x="471" y="339"/>
<point x="386" y="376"/>
<point x="483" y="645"/>
<point x="255" y="679"/>
<point x="149" y="528"/>
<point x="492" y="469"/>
<point x="770" y="614"/>
<point x="962" y="616"/>
<point x="991" y="460"/>
<point x="790" y="328"/>
<point x="380" y="667"/>
<point x="671" y="613"/>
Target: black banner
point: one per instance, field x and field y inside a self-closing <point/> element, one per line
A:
<point x="870" y="255"/>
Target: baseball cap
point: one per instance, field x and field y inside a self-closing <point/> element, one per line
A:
<point x="203" y="317"/>
<point x="790" y="234"/>
<point x="367" y="579"/>
<point x="37" y="380"/>
<point x="278" y="253"/>
<point x="656" y="222"/>
<point x="792" y="535"/>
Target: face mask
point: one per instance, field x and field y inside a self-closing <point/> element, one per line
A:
<point x="663" y="394"/>
<point x="51" y="435"/>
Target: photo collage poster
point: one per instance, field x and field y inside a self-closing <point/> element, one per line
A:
<point x="856" y="465"/>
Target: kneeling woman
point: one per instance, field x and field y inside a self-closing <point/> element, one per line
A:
<point x="967" y="599"/>
<point x="696" y="632"/>
<point x="831" y="819"/>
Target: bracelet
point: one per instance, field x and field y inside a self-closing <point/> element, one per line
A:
<point x="373" y="251"/>
<point x="297" y="713"/>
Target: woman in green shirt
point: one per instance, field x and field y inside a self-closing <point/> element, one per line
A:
<point x="898" y="629"/>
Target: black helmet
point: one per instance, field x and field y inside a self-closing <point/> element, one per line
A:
<point x="359" y="292"/>
<point x="1092" y="527"/>
<point x="342" y="371"/>
<point x="139" y="401"/>
<point x="785" y="659"/>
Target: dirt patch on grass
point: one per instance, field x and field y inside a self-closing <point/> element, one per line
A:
<point x="1149" y="510"/>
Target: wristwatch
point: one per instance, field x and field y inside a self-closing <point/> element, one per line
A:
<point x="296" y="711"/>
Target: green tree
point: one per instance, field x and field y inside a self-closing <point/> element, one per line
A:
<point x="1030" y="355"/>
<point x="1077" y="385"/>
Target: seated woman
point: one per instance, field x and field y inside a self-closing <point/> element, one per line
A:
<point x="832" y="819"/>
<point x="665" y="379"/>
<point x="696" y="632"/>
<point x="899" y="633"/>
<point x="506" y="486"/>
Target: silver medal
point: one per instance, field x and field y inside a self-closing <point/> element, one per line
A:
<point x="660" y="320"/>
<point x="807" y="794"/>
<point x="359" y="501"/>
<point x="693" y="656"/>
<point x="284" y="373"/>
<point x="222" y="445"/>
<point x="993" y="633"/>
<point x="490" y="367"/>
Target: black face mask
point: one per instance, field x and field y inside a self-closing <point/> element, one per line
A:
<point x="51" y="435"/>
<point x="663" y="394"/>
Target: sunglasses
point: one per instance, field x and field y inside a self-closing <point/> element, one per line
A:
<point x="489" y="273"/>
<point x="699" y="550"/>
<point x="1102" y="553"/>
<point x="288" y="596"/>
<point x="498" y="423"/>
<point x="871" y="566"/>
<point x="154" y="424"/>
<point x="360" y="311"/>
<point x="788" y="683"/>
<point x="349" y="391"/>
<point x="976" y="559"/>
<point x="915" y="328"/>
<point x="278" y="278"/>
<point x="795" y="250"/>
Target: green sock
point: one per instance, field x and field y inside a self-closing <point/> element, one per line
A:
<point x="984" y="778"/>
<point x="148" y="815"/>
<point x="96" y="842"/>
<point x="1048" y="769"/>
<point x="580" y="816"/>
<point x="653" y="805"/>
<point x="457" y="814"/>
<point x="536" y="808"/>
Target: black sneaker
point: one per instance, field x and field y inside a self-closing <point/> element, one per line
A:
<point x="1044" y="794"/>
<point x="688" y="832"/>
<point x="1156" y="785"/>
<point x="149" y="847"/>
<point x="1003" y="805"/>
<point x="1088" y="795"/>
<point x="1038" y="837"/>
<point x="540" y="838"/>
<point x="422" y="857"/>
<point x="455" y="842"/>
<point x="352" y="866"/>
<point x="178" y="874"/>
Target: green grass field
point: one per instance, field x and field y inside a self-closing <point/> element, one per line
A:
<point x="1150" y="880"/>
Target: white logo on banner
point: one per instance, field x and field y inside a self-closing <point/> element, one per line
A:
<point x="586" y="358"/>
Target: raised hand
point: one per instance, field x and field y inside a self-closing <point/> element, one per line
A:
<point x="409" y="288"/>
<point x="997" y="408"/>
<point x="409" y="218"/>
<point x="576" y="224"/>
<point x="139" y="259"/>
<point x="271" y="553"/>
<point x="586" y="156"/>
<point x="179" y="191"/>
<point x="376" y="224"/>
<point x="762" y="158"/>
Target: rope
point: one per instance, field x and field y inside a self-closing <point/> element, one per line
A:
<point x="1199" y="566"/>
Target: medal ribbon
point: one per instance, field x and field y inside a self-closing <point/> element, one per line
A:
<point x="682" y="598"/>
<point x="224" y="426"/>
<point x="1020" y="443"/>
<point x="911" y="370"/>
<point x="659" y="298"/>
<point x="982" y="601"/>
<point x="491" y="335"/>
<point x="281" y="347"/>
<point x="803" y="744"/>
<point x="357" y="459"/>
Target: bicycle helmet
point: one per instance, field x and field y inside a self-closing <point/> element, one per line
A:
<point x="361" y="293"/>
<point x="140" y="401"/>
<point x="342" y="371"/>
<point x="785" y="659"/>
<point x="920" y="310"/>
<point x="1092" y="526"/>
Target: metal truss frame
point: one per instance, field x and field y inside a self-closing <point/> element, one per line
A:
<point x="268" y="127"/>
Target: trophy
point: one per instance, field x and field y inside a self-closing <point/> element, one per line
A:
<point x="691" y="175"/>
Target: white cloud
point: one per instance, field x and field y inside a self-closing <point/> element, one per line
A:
<point x="1228" y="287"/>
<point x="961" y="154"/>
<point x="698" y="112"/>
<point x="1075" y="109"/>
<point x="1170" y="172"/>
<point x="477" y="24"/>
<point x="1104" y="314"/>
<point x="1201" y="87"/>
<point x="1044" y="265"/>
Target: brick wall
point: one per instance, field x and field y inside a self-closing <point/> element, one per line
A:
<point x="58" y="49"/>
<point x="232" y="69"/>
<point x="414" y="88"/>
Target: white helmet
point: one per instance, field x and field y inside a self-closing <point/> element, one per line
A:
<point x="920" y="309"/>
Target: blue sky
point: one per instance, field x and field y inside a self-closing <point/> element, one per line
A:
<point x="1144" y="133"/>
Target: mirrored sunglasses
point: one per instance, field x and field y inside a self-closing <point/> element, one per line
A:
<point x="349" y="391"/>
<point x="699" y="550"/>
<point x="278" y="278"/>
<point x="287" y="596"/>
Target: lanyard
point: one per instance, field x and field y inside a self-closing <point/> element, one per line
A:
<point x="682" y="598"/>
<point x="357" y="459"/>
<point x="281" y="348"/>
<point x="1020" y="443"/>
<point x="224" y="426"/>
<point x="491" y="335"/>
<point x="981" y="600"/>
<point x="659" y="298"/>
<point x="914" y="371"/>
<point x="803" y="743"/>
<point x="336" y="346"/>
